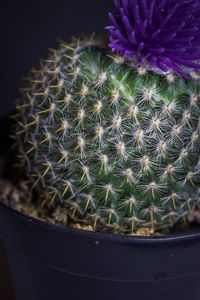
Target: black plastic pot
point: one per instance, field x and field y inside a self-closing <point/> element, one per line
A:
<point x="50" y="262"/>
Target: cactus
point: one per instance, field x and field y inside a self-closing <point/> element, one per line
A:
<point x="114" y="141"/>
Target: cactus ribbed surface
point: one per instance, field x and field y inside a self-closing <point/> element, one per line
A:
<point x="118" y="146"/>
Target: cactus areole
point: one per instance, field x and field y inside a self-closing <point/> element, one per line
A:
<point x="113" y="137"/>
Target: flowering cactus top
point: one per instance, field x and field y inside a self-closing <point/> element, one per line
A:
<point x="162" y="33"/>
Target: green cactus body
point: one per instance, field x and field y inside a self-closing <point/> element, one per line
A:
<point x="118" y="146"/>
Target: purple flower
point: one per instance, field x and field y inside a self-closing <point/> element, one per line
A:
<point x="162" y="33"/>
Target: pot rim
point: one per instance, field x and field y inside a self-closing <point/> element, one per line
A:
<point x="173" y="238"/>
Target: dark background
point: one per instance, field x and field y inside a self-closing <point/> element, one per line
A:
<point x="29" y="27"/>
